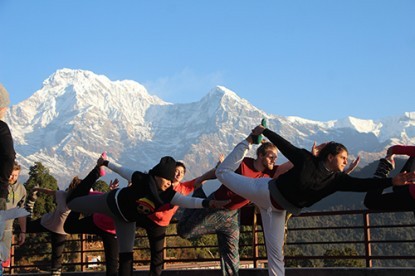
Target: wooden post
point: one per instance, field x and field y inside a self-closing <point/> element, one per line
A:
<point x="255" y="249"/>
<point x="83" y="249"/>
<point x="165" y="253"/>
<point x="368" y="249"/>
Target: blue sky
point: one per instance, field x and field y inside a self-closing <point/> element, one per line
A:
<point x="319" y="59"/>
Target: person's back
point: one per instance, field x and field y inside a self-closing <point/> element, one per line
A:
<point x="7" y="153"/>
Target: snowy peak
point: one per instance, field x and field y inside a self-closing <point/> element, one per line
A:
<point x="71" y="94"/>
<point x="78" y="114"/>
<point x="361" y="125"/>
<point x="86" y="85"/>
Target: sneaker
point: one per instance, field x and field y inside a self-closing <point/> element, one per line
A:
<point x="56" y="272"/>
<point x="384" y="168"/>
<point x="101" y="168"/>
<point x="31" y="200"/>
<point x="256" y="139"/>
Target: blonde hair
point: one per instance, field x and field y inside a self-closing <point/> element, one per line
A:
<point x="16" y="166"/>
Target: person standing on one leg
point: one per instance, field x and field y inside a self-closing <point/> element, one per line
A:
<point x="97" y="224"/>
<point x="311" y="179"/>
<point x="225" y="222"/>
<point x="53" y="222"/>
<point x="147" y="192"/>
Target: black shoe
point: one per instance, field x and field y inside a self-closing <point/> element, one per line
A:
<point x="31" y="200"/>
<point x="256" y="139"/>
<point x="384" y="168"/>
<point x="56" y="272"/>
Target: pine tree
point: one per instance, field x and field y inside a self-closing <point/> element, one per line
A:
<point x="39" y="176"/>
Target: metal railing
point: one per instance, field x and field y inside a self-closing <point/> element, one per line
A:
<point x="358" y="238"/>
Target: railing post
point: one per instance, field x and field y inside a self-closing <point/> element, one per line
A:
<point x="165" y="253"/>
<point x="368" y="249"/>
<point x="83" y="248"/>
<point x="11" y="267"/>
<point x="255" y="250"/>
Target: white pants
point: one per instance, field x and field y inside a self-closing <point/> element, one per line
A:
<point x="256" y="190"/>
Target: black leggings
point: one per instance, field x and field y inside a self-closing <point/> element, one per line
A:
<point x="156" y="235"/>
<point x="85" y="186"/>
<point x="57" y="240"/>
<point x="74" y="225"/>
<point x="399" y="199"/>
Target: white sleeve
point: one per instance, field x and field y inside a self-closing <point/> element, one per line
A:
<point x="187" y="201"/>
<point x="126" y="173"/>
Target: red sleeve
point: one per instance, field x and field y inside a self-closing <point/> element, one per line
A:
<point x="190" y="183"/>
<point x="185" y="188"/>
<point x="401" y="149"/>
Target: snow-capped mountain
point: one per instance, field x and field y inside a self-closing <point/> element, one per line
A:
<point x="77" y="114"/>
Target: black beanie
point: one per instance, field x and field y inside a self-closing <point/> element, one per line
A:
<point x="166" y="168"/>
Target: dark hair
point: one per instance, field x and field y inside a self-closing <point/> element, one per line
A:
<point x="74" y="183"/>
<point x="332" y="148"/>
<point x="264" y="147"/>
<point x="181" y="164"/>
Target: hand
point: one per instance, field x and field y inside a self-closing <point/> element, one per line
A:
<point x="404" y="178"/>
<point x="315" y="149"/>
<point x="101" y="160"/>
<point x="22" y="238"/>
<point x="114" y="184"/>
<point x="258" y="130"/>
<point x="221" y="158"/>
<point x="218" y="204"/>
<point x="352" y="165"/>
<point x="253" y="137"/>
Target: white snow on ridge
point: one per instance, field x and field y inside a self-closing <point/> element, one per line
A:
<point x="78" y="114"/>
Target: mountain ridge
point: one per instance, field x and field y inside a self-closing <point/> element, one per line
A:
<point x="78" y="114"/>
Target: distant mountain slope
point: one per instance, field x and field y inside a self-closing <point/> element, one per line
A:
<point x="77" y="114"/>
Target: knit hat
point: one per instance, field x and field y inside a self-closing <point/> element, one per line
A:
<point x="4" y="97"/>
<point x="166" y="168"/>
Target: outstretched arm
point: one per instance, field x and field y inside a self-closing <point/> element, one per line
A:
<point x="45" y="191"/>
<point x="125" y="173"/>
<point x="197" y="203"/>
<point x="208" y="175"/>
<point x="287" y="149"/>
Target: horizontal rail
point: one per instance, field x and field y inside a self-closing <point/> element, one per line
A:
<point x="362" y="246"/>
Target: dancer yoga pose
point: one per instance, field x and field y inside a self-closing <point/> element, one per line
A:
<point x="311" y="179"/>
<point x="147" y="192"/>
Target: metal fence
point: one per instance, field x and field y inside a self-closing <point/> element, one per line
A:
<point x="355" y="238"/>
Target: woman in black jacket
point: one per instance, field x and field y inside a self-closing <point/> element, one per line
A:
<point x="147" y="192"/>
<point x="311" y="179"/>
